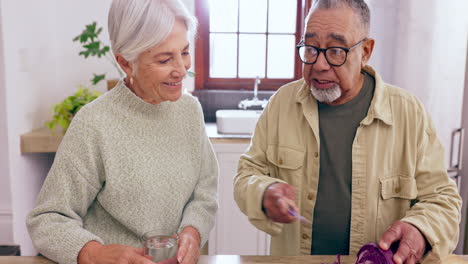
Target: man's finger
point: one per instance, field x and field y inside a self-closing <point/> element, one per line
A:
<point x="289" y="192"/>
<point x="391" y="235"/>
<point x="411" y="260"/>
<point x="405" y="253"/>
<point x="283" y="206"/>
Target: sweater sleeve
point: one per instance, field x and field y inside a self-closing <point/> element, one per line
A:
<point x="200" y="210"/>
<point x="56" y="223"/>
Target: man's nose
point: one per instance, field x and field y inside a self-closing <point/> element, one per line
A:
<point x="321" y="64"/>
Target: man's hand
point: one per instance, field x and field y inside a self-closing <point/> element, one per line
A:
<point x="277" y="200"/>
<point x="189" y="246"/>
<point x="93" y="252"/>
<point x="412" y="243"/>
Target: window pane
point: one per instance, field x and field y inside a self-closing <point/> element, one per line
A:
<point x="282" y="16"/>
<point x="281" y="52"/>
<point x="223" y="15"/>
<point x="223" y="55"/>
<point x="252" y="55"/>
<point x="253" y="16"/>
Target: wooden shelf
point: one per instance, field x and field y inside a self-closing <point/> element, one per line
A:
<point x="43" y="140"/>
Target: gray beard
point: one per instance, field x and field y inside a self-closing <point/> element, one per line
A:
<point x="326" y="95"/>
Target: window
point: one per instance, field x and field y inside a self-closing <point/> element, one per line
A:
<point x="241" y="39"/>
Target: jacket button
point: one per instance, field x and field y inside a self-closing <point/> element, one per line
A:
<point x="280" y="162"/>
<point x="397" y="189"/>
<point x="310" y="196"/>
<point x="304" y="236"/>
<point x="316" y="154"/>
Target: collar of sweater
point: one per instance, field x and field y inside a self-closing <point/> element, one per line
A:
<point x="124" y="97"/>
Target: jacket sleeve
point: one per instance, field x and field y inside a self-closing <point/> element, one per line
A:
<point x="200" y="211"/>
<point x="55" y="224"/>
<point x="436" y="212"/>
<point x="253" y="178"/>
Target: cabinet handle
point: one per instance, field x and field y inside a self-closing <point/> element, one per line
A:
<point x="456" y="168"/>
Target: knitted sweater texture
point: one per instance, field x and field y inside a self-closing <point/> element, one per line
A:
<point x="126" y="167"/>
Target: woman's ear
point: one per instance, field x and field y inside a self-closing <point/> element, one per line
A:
<point x="124" y="64"/>
<point x="367" y="48"/>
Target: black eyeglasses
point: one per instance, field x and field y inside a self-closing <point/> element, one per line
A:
<point x="335" y="56"/>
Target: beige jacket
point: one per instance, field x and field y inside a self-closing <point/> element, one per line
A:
<point x="398" y="170"/>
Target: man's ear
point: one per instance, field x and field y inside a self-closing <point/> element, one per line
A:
<point x="124" y="64"/>
<point x="367" y="48"/>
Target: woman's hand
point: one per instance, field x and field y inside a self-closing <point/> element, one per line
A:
<point x="94" y="252"/>
<point x="189" y="246"/>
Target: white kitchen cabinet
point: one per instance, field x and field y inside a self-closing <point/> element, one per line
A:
<point x="233" y="234"/>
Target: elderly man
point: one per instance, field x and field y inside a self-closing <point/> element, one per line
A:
<point x="357" y="157"/>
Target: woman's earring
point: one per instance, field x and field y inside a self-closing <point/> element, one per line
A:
<point x="129" y="81"/>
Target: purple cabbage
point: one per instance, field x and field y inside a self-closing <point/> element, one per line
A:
<point x="372" y="254"/>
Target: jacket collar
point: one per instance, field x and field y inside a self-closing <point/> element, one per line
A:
<point x="380" y="106"/>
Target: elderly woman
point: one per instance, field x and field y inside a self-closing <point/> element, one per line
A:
<point x="137" y="158"/>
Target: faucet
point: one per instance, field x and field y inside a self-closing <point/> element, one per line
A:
<point x="244" y="104"/>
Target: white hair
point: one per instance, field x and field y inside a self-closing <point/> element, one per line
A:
<point x="326" y="95"/>
<point x="137" y="25"/>
<point x="359" y="7"/>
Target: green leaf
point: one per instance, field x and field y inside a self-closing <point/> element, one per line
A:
<point x="84" y="53"/>
<point x="84" y="37"/>
<point x="97" y="78"/>
<point x="92" y="46"/>
<point x="64" y="123"/>
<point x="50" y="125"/>
<point x="64" y="111"/>
<point x="191" y="73"/>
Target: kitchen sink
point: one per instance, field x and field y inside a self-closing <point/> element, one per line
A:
<point x="237" y="121"/>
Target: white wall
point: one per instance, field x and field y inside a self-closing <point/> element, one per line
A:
<point x="41" y="67"/>
<point x="421" y="47"/>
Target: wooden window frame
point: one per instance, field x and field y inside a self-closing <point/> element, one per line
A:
<point x="202" y="55"/>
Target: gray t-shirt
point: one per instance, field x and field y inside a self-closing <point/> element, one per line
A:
<point x="332" y="214"/>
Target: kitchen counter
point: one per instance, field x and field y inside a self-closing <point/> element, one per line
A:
<point x="235" y="259"/>
<point x="215" y="137"/>
<point x="43" y="140"/>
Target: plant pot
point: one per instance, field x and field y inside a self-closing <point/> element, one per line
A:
<point x="111" y="83"/>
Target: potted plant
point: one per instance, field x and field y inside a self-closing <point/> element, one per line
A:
<point x="66" y="110"/>
<point x="92" y="46"/>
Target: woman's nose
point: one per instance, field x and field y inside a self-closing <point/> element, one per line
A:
<point x="180" y="67"/>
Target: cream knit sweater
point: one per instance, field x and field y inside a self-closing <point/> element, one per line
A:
<point x="123" y="168"/>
